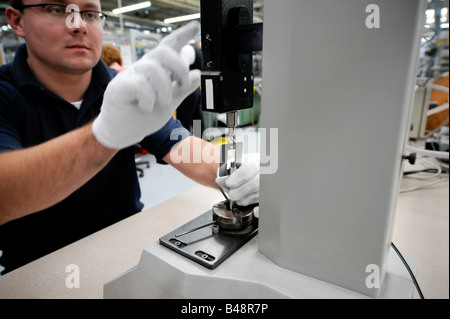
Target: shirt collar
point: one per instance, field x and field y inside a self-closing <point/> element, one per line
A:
<point x="21" y="71"/>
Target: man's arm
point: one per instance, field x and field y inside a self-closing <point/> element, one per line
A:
<point x="38" y="177"/>
<point x="197" y="159"/>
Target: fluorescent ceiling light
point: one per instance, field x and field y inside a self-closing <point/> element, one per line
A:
<point x="133" y="7"/>
<point x="183" y="18"/>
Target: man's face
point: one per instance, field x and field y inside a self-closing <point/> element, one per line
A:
<point x="67" y="45"/>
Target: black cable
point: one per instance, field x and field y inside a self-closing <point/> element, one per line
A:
<point x="427" y="170"/>
<point x="409" y="270"/>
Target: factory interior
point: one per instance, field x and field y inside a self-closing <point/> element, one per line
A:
<point x="400" y="154"/>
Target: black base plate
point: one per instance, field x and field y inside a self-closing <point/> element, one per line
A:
<point x="204" y="247"/>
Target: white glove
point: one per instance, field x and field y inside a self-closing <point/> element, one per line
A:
<point x="141" y="99"/>
<point x="188" y="54"/>
<point x="243" y="185"/>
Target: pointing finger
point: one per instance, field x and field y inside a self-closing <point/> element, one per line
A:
<point x="180" y="37"/>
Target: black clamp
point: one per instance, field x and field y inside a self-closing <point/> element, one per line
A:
<point x="411" y="158"/>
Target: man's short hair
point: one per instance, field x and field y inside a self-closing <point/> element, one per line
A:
<point x="16" y="4"/>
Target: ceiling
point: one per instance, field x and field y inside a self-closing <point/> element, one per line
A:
<point x="159" y="10"/>
<point x="154" y="15"/>
<point x="149" y="18"/>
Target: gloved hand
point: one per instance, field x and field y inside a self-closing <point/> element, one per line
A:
<point x="243" y="185"/>
<point x="188" y="53"/>
<point x="141" y="99"/>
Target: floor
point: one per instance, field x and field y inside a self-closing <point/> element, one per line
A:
<point x="161" y="182"/>
<point x="421" y="230"/>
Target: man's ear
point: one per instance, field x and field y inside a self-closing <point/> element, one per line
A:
<point x="15" y="20"/>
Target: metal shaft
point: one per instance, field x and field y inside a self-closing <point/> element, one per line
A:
<point x="195" y="229"/>
<point x="232" y="121"/>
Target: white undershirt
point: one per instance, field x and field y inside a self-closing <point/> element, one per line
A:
<point x="77" y="104"/>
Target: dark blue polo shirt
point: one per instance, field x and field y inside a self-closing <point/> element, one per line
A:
<point x="31" y="115"/>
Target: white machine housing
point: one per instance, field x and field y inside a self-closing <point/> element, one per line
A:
<point x="339" y="91"/>
<point x="338" y="86"/>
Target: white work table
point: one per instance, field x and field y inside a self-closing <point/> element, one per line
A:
<point x="421" y="231"/>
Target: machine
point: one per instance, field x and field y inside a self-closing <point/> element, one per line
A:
<point x="334" y="72"/>
<point x="229" y="38"/>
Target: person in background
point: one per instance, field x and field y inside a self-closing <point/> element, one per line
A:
<point x="112" y="57"/>
<point x="69" y="125"/>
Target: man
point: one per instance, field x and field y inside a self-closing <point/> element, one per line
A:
<point x="68" y="126"/>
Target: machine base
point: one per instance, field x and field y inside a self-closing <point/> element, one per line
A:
<point x="205" y="247"/>
<point x="247" y="274"/>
